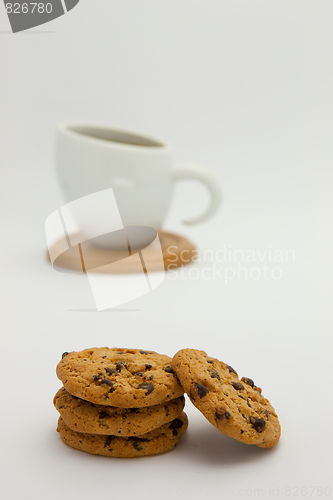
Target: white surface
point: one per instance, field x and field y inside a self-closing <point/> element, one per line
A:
<point x="243" y="88"/>
<point x="111" y="290"/>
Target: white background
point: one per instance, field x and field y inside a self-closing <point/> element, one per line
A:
<point x="244" y="89"/>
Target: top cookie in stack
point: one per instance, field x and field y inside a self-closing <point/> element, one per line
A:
<point x="111" y="392"/>
<point x="126" y="378"/>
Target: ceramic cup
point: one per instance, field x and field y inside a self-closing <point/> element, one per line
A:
<point x="140" y="169"/>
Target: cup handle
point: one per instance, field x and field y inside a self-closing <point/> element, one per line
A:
<point x="189" y="172"/>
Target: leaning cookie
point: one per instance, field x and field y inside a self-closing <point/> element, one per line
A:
<point x="82" y="416"/>
<point x="126" y="378"/>
<point x="235" y="407"/>
<point x="157" y="441"/>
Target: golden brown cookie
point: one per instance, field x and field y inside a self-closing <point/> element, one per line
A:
<point x="157" y="441"/>
<point x="126" y="378"/>
<point x="82" y="416"/>
<point x="235" y="407"/>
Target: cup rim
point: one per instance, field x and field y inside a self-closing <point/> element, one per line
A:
<point x="68" y="128"/>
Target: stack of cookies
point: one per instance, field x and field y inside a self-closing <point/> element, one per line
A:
<point x="119" y="402"/>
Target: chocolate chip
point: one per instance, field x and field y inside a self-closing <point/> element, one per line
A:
<point x="121" y="352"/>
<point x="148" y="386"/>
<point x="103" y="414"/>
<point x="96" y="377"/>
<point x="258" y="423"/>
<point x="238" y="386"/>
<point x="119" y="366"/>
<point x="215" y="374"/>
<point x="248" y="381"/>
<point x="248" y="404"/>
<point x="221" y="416"/>
<point x="191" y="395"/>
<point x="210" y="361"/>
<point x="110" y="371"/>
<point x="169" y="369"/>
<point x="147" y="352"/>
<point x="85" y="360"/>
<point x="103" y="357"/>
<point x="231" y="370"/>
<point x="109" y="383"/>
<point x="151" y="377"/>
<point x="176" y="424"/>
<point x="265" y="412"/>
<point x="108" y="440"/>
<point x="148" y="367"/>
<point x="139" y="374"/>
<point x="64" y="354"/>
<point x="202" y="390"/>
<point x="135" y="442"/>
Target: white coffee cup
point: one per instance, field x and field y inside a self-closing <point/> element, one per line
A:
<point x="140" y="170"/>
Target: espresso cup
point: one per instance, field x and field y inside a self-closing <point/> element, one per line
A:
<point x="140" y="170"/>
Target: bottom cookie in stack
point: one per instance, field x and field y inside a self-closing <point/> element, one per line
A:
<point x="119" y="432"/>
<point x="156" y="441"/>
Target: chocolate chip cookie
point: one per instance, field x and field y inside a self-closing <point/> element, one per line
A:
<point x="82" y="416"/>
<point x="157" y="441"/>
<point x="234" y="406"/>
<point x="126" y="378"/>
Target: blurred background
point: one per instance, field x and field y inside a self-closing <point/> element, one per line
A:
<point x="242" y="88"/>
